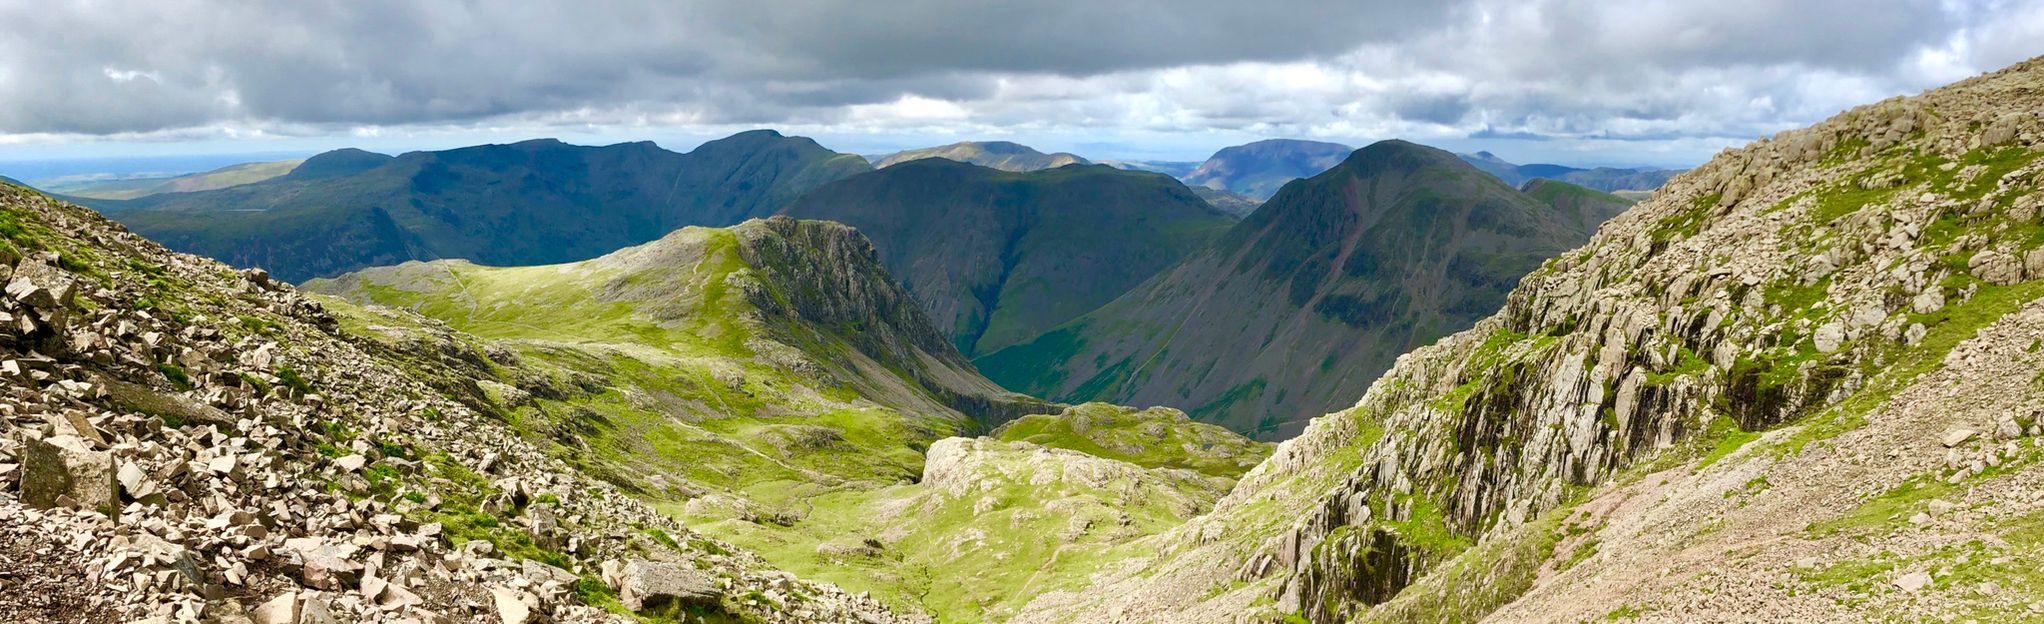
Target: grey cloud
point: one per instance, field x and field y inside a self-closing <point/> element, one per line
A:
<point x="395" y="62"/>
<point x="1655" y="70"/>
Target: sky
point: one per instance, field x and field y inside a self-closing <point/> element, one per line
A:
<point x="1580" y="82"/>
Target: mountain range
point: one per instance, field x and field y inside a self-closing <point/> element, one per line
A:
<point x="1799" y="382"/>
<point x="1298" y="308"/>
<point x="1607" y="179"/>
<point x="997" y="257"/>
<point x="535" y="202"/>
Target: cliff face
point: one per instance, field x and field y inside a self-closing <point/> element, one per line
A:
<point x="1817" y="328"/>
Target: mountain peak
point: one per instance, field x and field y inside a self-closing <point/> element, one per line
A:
<point x="342" y="162"/>
<point x="1257" y="170"/>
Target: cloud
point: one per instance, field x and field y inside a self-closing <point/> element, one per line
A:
<point x="1677" y="71"/>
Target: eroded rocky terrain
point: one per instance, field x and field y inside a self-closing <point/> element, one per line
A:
<point x="184" y="442"/>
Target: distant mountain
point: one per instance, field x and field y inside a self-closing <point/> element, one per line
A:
<point x="534" y="202"/>
<point x="998" y="256"/>
<point x="1000" y="155"/>
<point x="1173" y="168"/>
<point x="1257" y="170"/>
<point x="130" y="188"/>
<point x="1298" y="308"/>
<point x="1605" y="179"/>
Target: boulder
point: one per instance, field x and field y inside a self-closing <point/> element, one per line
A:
<point x="512" y="605"/>
<point x="1930" y="300"/>
<point x="66" y="467"/>
<point x="1830" y="336"/>
<point x="323" y="566"/>
<point x="1995" y="267"/>
<point x="282" y="609"/>
<point x="647" y="585"/>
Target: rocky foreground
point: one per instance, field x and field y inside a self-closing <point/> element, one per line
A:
<point x="181" y="442"/>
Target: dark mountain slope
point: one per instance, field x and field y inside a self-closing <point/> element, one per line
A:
<point x="1301" y="305"/>
<point x="533" y="202"/>
<point x="996" y="257"/>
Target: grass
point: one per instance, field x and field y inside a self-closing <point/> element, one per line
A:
<point x="1148" y="438"/>
<point x="176" y="375"/>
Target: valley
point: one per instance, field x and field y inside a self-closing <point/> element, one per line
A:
<point x="806" y="376"/>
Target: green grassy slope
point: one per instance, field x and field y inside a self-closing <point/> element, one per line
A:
<point x="1299" y="307"/>
<point x="767" y="384"/>
<point x="1159" y="437"/>
<point x="996" y="257"/>
<point x="535" y="202"/>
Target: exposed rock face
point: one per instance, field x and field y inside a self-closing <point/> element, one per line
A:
<point x="294" y="473"/>
<point x="1827" y="282"/>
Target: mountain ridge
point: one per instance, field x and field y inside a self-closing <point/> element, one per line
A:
<point x="1330" y="280"/>
<point x="539" y="201"/>
<point x="997" y="256"/>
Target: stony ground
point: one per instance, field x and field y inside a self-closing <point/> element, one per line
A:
<point x="180" y="442"/>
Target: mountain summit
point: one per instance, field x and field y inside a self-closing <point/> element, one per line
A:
<point x="1257" y="170"/>
<point x="1297" y="309"/>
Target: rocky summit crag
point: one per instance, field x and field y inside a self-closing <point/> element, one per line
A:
<point x="182" y="442"/>
<point x="1800" y="383"/>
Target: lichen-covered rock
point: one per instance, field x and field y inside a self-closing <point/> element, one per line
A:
<point x="66" y="470"/>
